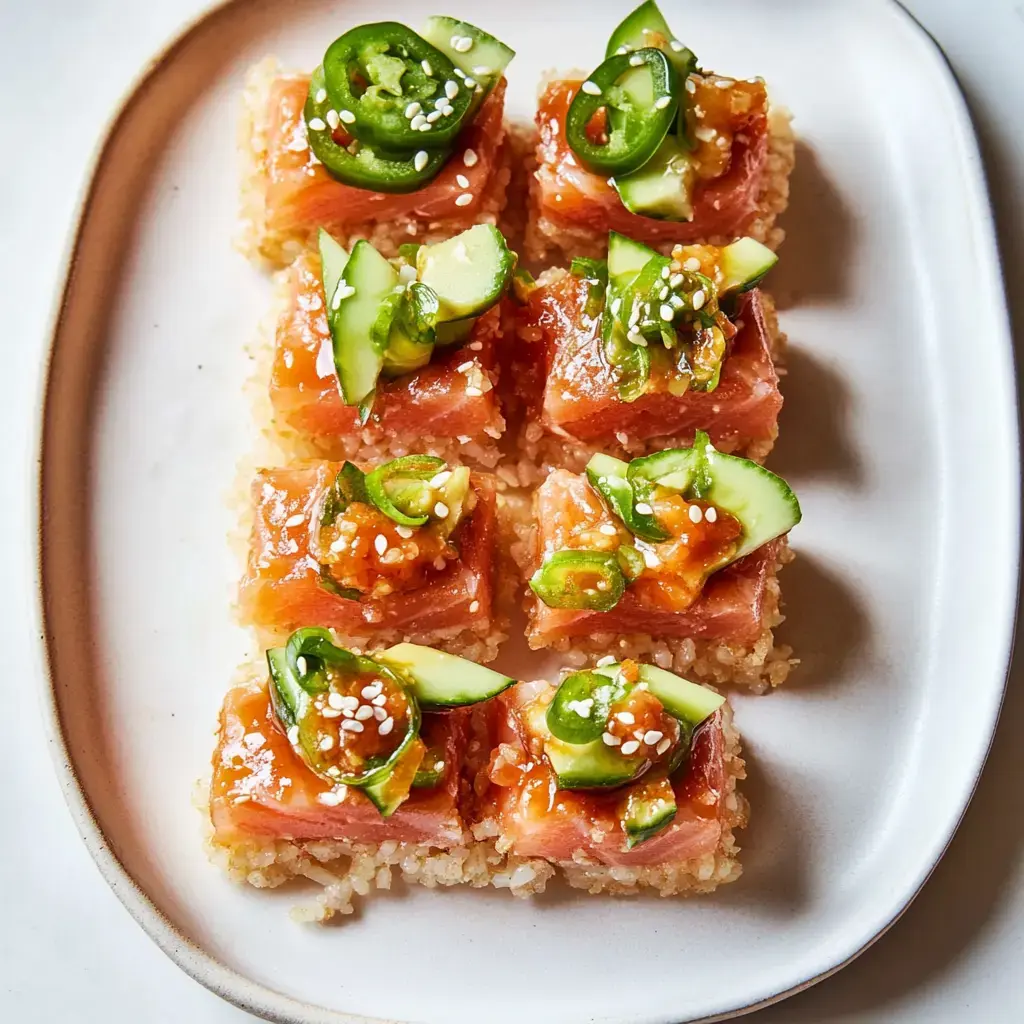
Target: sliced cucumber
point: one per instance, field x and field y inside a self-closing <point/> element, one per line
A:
<point x="649" y="808"/>
<point x="626" y="259"/>
<point x="646" y="26"/>
<point x="686" y="701"/>
<point x="763" y="503"/>
<point x="388" y="794"/>
<point x="469" y="272"/>
<point x="442" y="680"/>
<point x="743" y="264"/>
<point x="354" y="321"/>
<point x="483" y="62"/>
<point x="333" y="259"/>
<point x="412" y="334"/>
<point x="662" y="189"/>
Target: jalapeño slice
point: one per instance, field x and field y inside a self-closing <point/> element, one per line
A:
<point x="578" y="713"/>
<point x="360" y="164"/>
<point x="401" y="488"/>
<point x="589" y="580"/>
<point x="394" y="90"/>
<point x="318" y="693"/>
<point x="637" y="93"/>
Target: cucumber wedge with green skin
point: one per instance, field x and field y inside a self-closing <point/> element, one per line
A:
<point x="388" y="794"/>
<point x="663" y="188"/>
<point x="354" y="321"/>
<point x="485" y="60"/>
<point x="469" y="272"/>
<point x="686" y="701"/>
<point x="646" y="26"/>
<point x="412" y="332"/>
<point x="626" y="259"/>
<point x="441" y="680"/>
<point x="650" y="807"/>
<point x="743" y="263"/>
<point x="333" y="260"/>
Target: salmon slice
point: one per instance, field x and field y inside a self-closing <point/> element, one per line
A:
<point x="282" y="589"/>
<point x="299" y="196"/>
<point x="539" y="820"/>
<point x="567" y="197"/>
<point x="731" y="605"/>
<point x="451" y="398"/>
<point x="261" y="788"/>
<point x="562" y="374"/>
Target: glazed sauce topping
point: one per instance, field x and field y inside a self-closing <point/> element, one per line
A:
<point x="704" y="538"/>
<point x="359" y="719"/>
<point x="365" y="550"/>
<point x="640" y="725"/>
<point x="720" y="108"/>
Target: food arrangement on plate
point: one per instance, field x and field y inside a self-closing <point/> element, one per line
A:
<point x="462" y="434"/>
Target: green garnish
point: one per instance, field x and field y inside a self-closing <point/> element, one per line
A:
<point x="574" y="579"/>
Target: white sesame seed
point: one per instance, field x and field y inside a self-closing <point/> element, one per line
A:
<point x="412" y="110"/>
<point x="608" y="659"/>
<point x="347" y="713"/>
<point x="364" y="712"/>
<point x="420" y="160"/>
<point x="330" y="713"/>
<point x="447" y="110"/>
<point x="482" y="71"/>
<point x="459" y="73"/>
<point x="665" y="271"/>
<point x="349" y="703"/>
<point x="440" y="103"/>
<point x="653" y="736"/>
<point x="711" y="515"/>
<point x="651" y="560"/>
<point x="296" y="520"/>
<point x="317" y="124"/>
<point x="293" y="735"/>
<point x="636" y="60"/>
<point x="644" y="509"/>
<point x="698" y="298"/>
<point x="386" y="726"/>
<point x="441" y="510"/>
<point x="426" y="126"/>
<point x="662" y="102"/>
<point x="667" y="312"/>
<point x="347" y="116"/>
<point x="326" y="743"/>
<point x="664" y="745"/>
<point x="705" y="134"/>
<point x="470" y="83"/>
<point x="445" y="475"/>
<point x="469" y="158"/>
<point x="451" y="89"/>
<point x="474" y="607"/>
<point x="417" y="122"/>
<point x="610" y="739"/>
<point x="380" y="543"/>
<point x="695" y="514"/>
<point x="335" y="700"/>
<point x="380" y="713"/>
<point x="462" y="181"/>
<point x="427" y="69"/>
<point x="591" y="88"/>
<point x="380" y="700"/>
<point x="677" y="47"/>
<point x="300" y="664"/>
<point x="370" y="690"/>
<point x="404" y="532"/>
<point x="676" y="302"/>
<point x="434" y="115"/>
<point x="464" y="200"/>
<point x="626" y="717"/>
<point x="630" y="747"/>
<point x="609" y="531"/>
<point x="351" y="725"/>
<point x="332" y="118"/>
<point x="691" y="86"/>
<point x="321" y="95"/>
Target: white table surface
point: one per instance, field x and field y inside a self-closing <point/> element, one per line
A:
<point x="68" y="950"/>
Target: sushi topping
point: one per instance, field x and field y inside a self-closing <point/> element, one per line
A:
<point x="623" y="111"/>
<point x="323" y="697"/>
<point x="386" y="317"/>
<point x="677" y="517"/>
<point x="355" y="720"/>
<point x="389" y="531"/>
<point x="386" y="106"/>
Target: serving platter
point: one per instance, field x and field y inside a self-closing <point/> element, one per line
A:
<point x="899" y="433"/>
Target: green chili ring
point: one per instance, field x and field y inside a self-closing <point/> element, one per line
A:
<point x="557" y="585"/>
<point x="420" y="468"/>
<point x="404" y="72"/>
<point x="293" y="686"/>
<point x="640" y="111"/>
<point x="566" y="723"/>
<point x="360" y="165"/>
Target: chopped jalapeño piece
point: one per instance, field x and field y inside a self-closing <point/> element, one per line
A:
<point x="578" y="712"/>
<point x="590" y="580"/>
